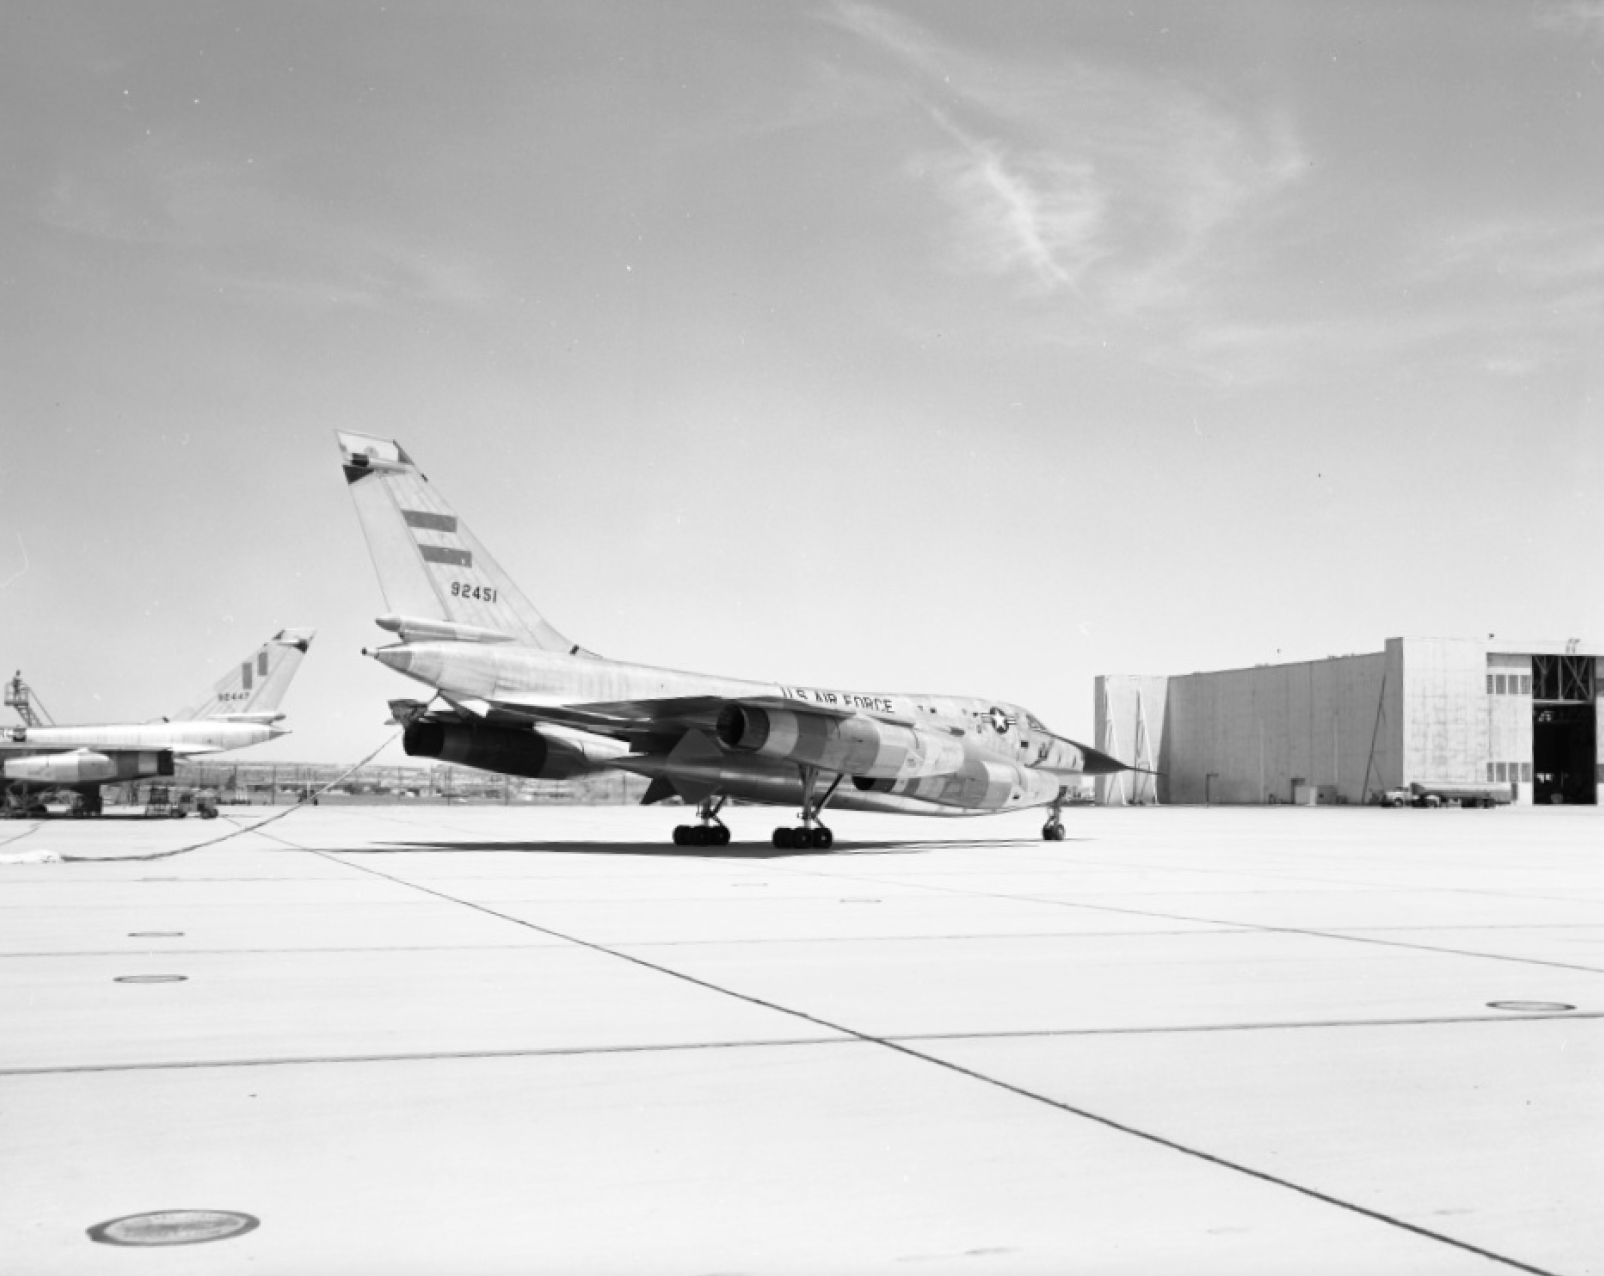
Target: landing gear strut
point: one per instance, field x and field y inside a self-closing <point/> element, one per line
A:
<point x="1053" y="830"/>
<point x="710" y="831"/>
<point x="811" y="833"/>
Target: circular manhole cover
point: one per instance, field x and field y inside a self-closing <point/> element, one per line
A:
<point x="173" y="1227"/>
<point x="149" y="979"/>
<point x="1531" y="1006"/>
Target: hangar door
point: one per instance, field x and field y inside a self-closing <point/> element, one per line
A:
<point x="1564" y="730"/>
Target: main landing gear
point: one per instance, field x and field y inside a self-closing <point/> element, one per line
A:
<point x="811" y="834"/>
<point x="818" y="838"/>
<point x="709" y="832"/>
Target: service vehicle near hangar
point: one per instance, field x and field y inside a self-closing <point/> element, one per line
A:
<point x="1448" y="794"/>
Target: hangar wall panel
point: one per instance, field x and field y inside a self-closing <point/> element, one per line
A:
<point x="1254" y="735"/>
<point x="1446" y="728"/>
<point x="1508" y="691"/>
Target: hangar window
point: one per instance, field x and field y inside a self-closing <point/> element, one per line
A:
<point x="1568" y="679"/>
<point x="1502" y="684"/>
<point x="1489" y="684"/>
<point x="1501" y="771"/>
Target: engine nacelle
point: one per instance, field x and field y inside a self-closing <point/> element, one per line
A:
<point x="856" y="746"/>
<point x="84" y="766"/>
<point x="549" y="754"/>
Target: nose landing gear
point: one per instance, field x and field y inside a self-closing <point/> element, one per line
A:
<point x="1053" y="830"/>
<point x="710" y="831"/>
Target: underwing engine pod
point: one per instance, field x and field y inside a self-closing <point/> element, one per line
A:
<point x="548" y="754"/>
<point x="86" y="766"/>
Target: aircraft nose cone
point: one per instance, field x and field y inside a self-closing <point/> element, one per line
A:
<point x="424" y="664"/>
<point x="397" y="658"/>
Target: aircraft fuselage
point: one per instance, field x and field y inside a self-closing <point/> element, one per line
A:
<point x="45" y="757"/>
<point x="994" y="755"/>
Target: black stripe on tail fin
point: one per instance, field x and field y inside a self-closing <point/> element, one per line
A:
<point x="430" y="565"/>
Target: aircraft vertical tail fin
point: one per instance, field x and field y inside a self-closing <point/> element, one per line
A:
<point x="430" y="566"/>
<point x="252" y="689"/>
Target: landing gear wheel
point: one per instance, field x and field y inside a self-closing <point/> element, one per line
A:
<point x="1052" y="831"/>
<point x="810" y="833"/>
<point x="709" y="832"/>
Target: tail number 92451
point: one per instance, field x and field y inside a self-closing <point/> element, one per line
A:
<point x="481" y="593"/>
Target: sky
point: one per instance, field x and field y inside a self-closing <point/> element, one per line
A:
<point x="944" y="347"/>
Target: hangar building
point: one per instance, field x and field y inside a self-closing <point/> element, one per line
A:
<point x="1343" y="729"/>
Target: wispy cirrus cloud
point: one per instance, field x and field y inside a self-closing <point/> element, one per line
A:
<point x="1511" y="298"/>
<point x="1038" y="217"/>
<point x="1571" y="17"/>
<point x="1181" y="221"/>
<point x="1077" y="177"/>
<point x="245" y="221"/>
<point x="1530" y="289"/>
<point x="1526" y="250"/>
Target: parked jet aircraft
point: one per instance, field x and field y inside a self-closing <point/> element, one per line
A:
<point x="241" y="709"/>
<point x="522" y="699"/>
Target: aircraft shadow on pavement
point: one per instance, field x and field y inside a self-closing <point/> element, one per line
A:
<point x="660" y="850"/>
<point x="109" y="817"/>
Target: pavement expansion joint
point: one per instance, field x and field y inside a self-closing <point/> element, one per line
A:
<point x="885" y="1042"/>
<point x="848" y="1037"/>
<point x="1354" y="935"/>
<point x="1240" y="1084"/>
